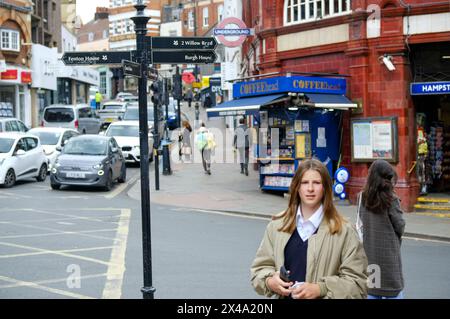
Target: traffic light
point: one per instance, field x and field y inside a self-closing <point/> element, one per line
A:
<point x="156" y="93"/>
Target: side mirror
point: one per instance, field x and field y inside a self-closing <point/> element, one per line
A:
<point x="115" y="150"/>
<point x="20" y="152"/>
<point x="64" y="143"/>
<point x="59" y="148"/>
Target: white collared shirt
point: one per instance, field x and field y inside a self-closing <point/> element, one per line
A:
<point x="307" y="228"/>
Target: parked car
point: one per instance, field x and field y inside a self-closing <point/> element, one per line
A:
<point x="121" y="96"/>
<point x="111" y="112"/>
<point x="11" y="124"/>
<point x="126" y="134"/>
<point x="132" y="114"/>
<point x="172" y="118"/>
<point x="52" y="138"/>
<point x="79" y="117"/>
<point x="89" y="160"/>
<point x="21" y="157"/>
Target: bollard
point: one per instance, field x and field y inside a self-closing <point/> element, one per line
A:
<point x="166" y="160"/>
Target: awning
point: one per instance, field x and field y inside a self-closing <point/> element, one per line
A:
<point x="330" y="101"/>
<point x="245" y="106"/>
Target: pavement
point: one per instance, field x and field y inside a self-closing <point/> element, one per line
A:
<point x="226" y="190"/>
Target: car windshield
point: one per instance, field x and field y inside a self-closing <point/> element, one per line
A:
<point x="133" y="114"/>
<point x="86" y="147"/>
<point x="123" y="130"/>
<point x="59" y="115"/>
<point x="113" y="107"/>
<point x="6" y="144"/>
<point x="47" y="138"/>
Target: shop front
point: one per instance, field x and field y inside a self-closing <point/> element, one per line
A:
<point x="296" y="117"/>
<point x="15" y="98"/>
<point x="44" y="80"/>
<point x="73" y="83"/>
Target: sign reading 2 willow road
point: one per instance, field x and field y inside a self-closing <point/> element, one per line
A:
<point x="183" y="57"/>
<point x="86" y="58"/>
<point x="183" y="43"/>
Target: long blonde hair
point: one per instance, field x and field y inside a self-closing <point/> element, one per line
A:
<point x="333" y="219"/>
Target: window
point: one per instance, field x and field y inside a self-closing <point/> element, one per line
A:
<point x="105" y="34"/>
<point x="220" y="13"/>
<point x="91" y="36"/>
<point x="298" y="11"/>
<point x="10" y="40"/>
<point x="191" y="19"/>
<point x="32" y="143"/>
<point x="205" y="17"/>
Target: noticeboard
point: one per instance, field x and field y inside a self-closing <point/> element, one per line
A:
<point x="374" y="138"/>
<point x="302" y="145"/>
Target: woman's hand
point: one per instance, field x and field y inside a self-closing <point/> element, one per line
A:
<point x="278" y="286"/>
<point x="306" y="291"/>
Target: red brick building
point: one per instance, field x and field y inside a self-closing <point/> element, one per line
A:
<point x="351" y="38"/>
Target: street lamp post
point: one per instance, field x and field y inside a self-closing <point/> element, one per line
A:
<point x="195" y="34"/>
<point x="140" y="21"/>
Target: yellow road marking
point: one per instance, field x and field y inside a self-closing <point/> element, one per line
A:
<point x="121" y="188"/>
<point x="48" y="289"/>
<point x="116" y="269"/>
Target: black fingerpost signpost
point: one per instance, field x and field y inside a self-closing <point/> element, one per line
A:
<point x="140" y="22"/>
<point x="171" y="50"/>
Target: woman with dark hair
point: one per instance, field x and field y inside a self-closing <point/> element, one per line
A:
<point x="310" y="251"/>
<point x="383" y="227"/>
<point x="186" y="148"/>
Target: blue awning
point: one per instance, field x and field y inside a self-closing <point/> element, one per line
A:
<point x="330" y="101"/>
<point x="245" y="106"/>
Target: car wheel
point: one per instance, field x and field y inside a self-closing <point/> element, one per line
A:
<point x="109" y="181"/>
<point x="10" y="178"/>
<point x="55" y="186"/>
<point x="84" y="131"/>
<point x="42" y="173"/>
<point x="123" y="174"/>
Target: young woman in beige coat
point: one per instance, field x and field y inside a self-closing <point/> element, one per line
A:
<point x="313" y="242"/>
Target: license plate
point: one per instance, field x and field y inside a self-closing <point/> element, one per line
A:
<point x="75" y="175"/>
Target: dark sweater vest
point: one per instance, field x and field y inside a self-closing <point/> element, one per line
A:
<point x="295" y="255"/>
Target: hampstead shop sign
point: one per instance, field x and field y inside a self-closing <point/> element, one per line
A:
<point x="430" y="88"/>
<point x="299" y="84"/>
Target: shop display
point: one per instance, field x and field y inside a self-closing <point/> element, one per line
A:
<point x="6" y="109"/>
<point x="277" y="181"/>
<point x="278" y="169"/>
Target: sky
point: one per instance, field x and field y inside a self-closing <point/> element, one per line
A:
<point x="86" y="8"/>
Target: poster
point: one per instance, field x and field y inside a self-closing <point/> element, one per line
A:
<point x="374" y="138"/>
<point x="382" y="139"/>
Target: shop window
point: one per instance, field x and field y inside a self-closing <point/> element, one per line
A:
<point x="10" y="40"/>
<point x="299" y="11"/>
<point x="205" y="17"/>
<point x="191" y="20"/>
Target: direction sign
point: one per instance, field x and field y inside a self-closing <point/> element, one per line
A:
<point x="183" y="43"/>
<point x="184" y="57"/>
<point x="87" y="58"/>
<point x="131" y="68"/>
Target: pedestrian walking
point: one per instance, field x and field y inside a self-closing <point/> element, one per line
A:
<point x="310" y="251"/>
<point x="186" y="148"/>
<point x="205" y="143"/>
<point x="241" y="142"/>
<point x="189" y="97"/>
<point x="383" y="226"/>
<point x="98" y="100"/>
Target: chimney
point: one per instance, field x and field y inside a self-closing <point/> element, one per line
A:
<point x="101" y="13"/>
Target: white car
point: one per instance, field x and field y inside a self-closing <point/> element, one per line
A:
<point x="21" y="157"/>
<point x="126" y="134"/>
<point x="52" y="138"/>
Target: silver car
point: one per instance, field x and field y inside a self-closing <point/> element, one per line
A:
<point x="89" y="160"/>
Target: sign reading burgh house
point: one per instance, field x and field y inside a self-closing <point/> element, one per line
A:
<point x="299" y="84"/>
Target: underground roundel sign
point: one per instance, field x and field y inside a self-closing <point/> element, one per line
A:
<point x="232" y="32"/>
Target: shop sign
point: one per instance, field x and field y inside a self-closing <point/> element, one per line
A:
<point x="9" y="75"/>
<point x="298" y="84"/>
<point x="26" y="77"/>
<point x="44" y="63"/>
<point x="428" y="88"/>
